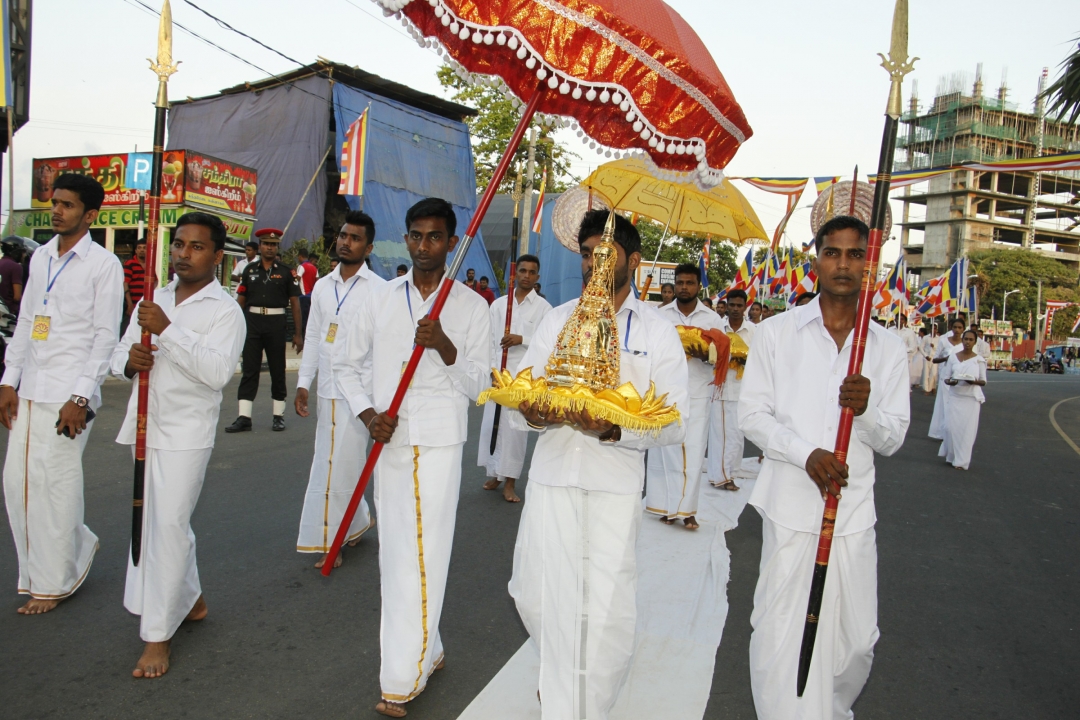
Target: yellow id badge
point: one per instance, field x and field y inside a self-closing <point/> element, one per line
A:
<point x="331" y="332"/>
<point x="403" y="365"/>
<point x="41" y="327"/>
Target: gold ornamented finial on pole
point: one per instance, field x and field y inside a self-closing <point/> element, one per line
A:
<point x="517" y="195"/>
<point x="164" y="67"/>
<point x="897" y="64"/>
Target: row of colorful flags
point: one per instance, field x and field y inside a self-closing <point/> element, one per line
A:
<point x="948" y="293"/>
<point x="795" y="185"/>
<point x="778" y="274"/>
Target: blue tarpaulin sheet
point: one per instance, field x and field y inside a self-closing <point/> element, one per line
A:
<point x="560" y="269"/>
<point x="411" y="155"/>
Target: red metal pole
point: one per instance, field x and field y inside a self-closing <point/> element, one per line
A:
<point x="436" y="309"/>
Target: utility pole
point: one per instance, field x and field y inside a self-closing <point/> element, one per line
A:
<point x="1038" y="318"/>
<point x="1036" y="181"/>
<point x="526" y="214"/>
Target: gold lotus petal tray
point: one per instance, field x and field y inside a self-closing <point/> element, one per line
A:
<point x="622" y="406"/>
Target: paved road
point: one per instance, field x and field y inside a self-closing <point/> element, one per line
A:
<point x="977" y="587"/>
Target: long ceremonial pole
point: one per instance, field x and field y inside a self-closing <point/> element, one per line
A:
<point x="510" y="298"/>
<point x="436" y="309"/>
<point x="897" y="65"/>
<point x="164" y="67"/>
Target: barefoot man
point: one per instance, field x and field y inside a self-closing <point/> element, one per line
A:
<point x="725" y="438"/>
<point x="198" y="331"/>
<point x="418" y="476"/>
<point x="58" y="357"/>
<point x="510" y="445"/>
<point x="674" y="471"/>
<point x="340" y="438"/>
<point x="792" y="393"/>
<point x="575" y="568"/>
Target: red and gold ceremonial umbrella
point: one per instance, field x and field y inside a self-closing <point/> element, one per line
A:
<point x="632" y="75"/>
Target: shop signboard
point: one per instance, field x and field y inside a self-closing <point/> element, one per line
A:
<point x="665" y="273"/>
<point x="215" y="183"/>
<point x="27" y="221"/>
<point x="186" y="176"/>
<point x="996" y="327"/>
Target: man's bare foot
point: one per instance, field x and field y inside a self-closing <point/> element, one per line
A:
<point x="441" y="665"/>
<point x="154" y="661"/>
<point x="198" y="610"/>
<point x="391" y="709"/>
<point x="322" y="560"/>
<point x="354" y="543"/>
<point x="492" y="484"/>
<point x="666" y="520"/>
<point x="728" y="485"/>
<point x="37" y="607"/>
<point x="690" y="523"/>
<point x="508" y="492"/>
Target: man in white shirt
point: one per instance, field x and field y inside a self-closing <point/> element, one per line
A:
<point x="911" y="346"/>
<point x="575" y="571"/>
<point x="58" y="358"/>
<point x="982" y="348"/>
<point x="795" y="385"/>
<point x="418" y="476"/>
<point x="674" y="471"/>
<point x="508" y="457"/>
<point x="725" y="438"/>
<point x="197" y="331"/>
<point x="251" y="249"/>
<point x="340" y="438"/>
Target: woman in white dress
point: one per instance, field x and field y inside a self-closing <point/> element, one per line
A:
<point x="918" y="362"/>
<point x="965" y="374"/>
<point x="947" y="345"/>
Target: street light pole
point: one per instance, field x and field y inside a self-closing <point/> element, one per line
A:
<point x="1005" y="303"/>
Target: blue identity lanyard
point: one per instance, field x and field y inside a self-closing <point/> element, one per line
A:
<point x="341" y="301"/>
<point x="626" y="338"/>
<point x="408" y="299"/>
<point x="52" y="278"/>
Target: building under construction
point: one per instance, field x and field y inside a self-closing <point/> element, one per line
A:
<point x="965" y="210"/>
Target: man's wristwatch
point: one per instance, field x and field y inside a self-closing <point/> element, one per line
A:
<point x="80" y="400"/>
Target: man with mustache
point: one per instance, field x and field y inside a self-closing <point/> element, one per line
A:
<point x="795" y="385"/>
<point x="197" y="331"/>
<point x="418" y="476"/>
<point x="57" y="360"/>
<point x="575" y="568"/>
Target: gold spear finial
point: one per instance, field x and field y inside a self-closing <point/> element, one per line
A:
<point x="897" y="64"/>
<point x="164" y="67"/>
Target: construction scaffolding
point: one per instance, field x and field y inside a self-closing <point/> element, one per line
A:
<point x="969" y="210"/>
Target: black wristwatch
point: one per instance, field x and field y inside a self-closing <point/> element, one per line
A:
<point x="80" y="401"/>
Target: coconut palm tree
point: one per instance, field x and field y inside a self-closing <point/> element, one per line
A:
<point x="1064" y="93"/>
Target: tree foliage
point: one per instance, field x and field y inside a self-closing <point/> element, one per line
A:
<point x="1003" y="269"/>
<point x="491" y="129"/>
<point x="722" y="254"/>
<point x="1064" y="93"/>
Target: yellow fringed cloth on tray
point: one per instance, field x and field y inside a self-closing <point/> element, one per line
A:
<point x="715" y="343"/>
<point x="583" y="370"/>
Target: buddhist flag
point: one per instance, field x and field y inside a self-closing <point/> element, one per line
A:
<point x="780" y="186"/>
<point x="353" y="155"/>
<point x="703" y="264"/>
<point x="538" y="216"/>
<point x="892" y="290"/>
<point x="745" y="274"/>
<point x="823" y="182"/>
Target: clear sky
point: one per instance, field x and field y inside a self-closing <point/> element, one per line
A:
<point x="805" y="73"/>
